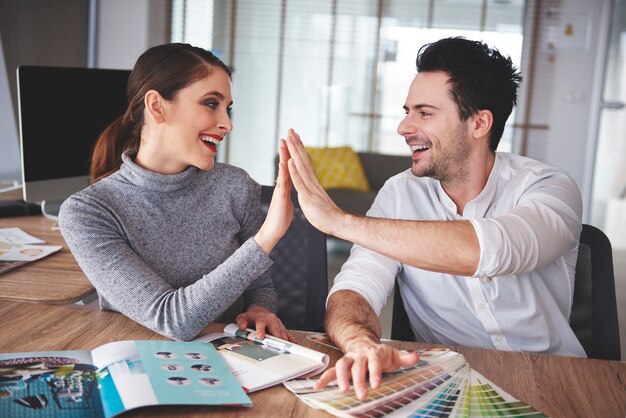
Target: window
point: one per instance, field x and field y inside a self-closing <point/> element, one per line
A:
<point x="335" y="70"/>
<point x="192" y="22"/>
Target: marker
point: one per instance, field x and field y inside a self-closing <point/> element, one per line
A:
<point x="269" y="342"/>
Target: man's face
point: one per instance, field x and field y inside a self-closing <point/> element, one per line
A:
<point x="439" y="140"/>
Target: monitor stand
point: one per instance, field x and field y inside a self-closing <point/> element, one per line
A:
<point x="9" y="185"/>
<point x="50" y="208"/>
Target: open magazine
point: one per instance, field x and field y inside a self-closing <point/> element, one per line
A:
<point x="442" y="384"/>
<point x="18" y="248"/>
<point x="115" y="378"/>
<point x="258" y="364"/>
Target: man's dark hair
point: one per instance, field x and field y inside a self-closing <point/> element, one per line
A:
<point x="481" y="78"/>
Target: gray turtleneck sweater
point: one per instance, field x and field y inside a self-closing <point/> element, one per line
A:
<point x="172" y="252"/>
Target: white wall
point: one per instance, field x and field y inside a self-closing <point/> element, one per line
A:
<point x="567" y="88"/>
<point x="10" y="168"/>
<point x="125" y="29"/>
<point x="34" y="32"/>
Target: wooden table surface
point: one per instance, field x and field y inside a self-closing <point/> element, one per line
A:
<point x="55" y="279"/>
<point x="556" y="386"/>
<point x="12" y="195"/>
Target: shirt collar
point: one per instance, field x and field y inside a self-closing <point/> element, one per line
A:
<point x="477" y="207"/>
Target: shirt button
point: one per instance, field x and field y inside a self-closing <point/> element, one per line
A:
<point x="450" y="204"/>
<point x="498" y="338"/>
<point x="481" y="306"/>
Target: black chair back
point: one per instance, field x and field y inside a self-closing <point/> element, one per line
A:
<point x="400" y="325"/>
<point x="594" y="309"/>
<point x="299" y="271"/>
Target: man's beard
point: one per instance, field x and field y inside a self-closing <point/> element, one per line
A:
<point x="449" y="165"/>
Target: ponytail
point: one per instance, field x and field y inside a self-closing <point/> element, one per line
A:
<point x="117" y="138"/>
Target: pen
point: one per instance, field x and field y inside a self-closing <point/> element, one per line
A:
<point x="276" y="345"/>
<point x="269" y="342"/>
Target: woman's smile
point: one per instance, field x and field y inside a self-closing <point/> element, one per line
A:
<point x="211" y="141"/>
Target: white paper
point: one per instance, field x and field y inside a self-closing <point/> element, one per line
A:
<point x="17" y="236"/>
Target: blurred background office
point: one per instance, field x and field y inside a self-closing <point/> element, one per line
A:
<point x="338" y="71"/>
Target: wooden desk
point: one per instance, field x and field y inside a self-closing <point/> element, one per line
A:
<point x="55" y="279"/>
<point x="12" y="195"/>
<point x="557" y="386"/>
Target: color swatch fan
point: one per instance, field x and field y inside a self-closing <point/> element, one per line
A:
<point x="442" y="384"/>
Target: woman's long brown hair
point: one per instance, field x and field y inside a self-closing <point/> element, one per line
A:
<point x="165" y="68"/>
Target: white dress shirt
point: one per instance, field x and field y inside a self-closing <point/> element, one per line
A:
<point x="528" y="223"/>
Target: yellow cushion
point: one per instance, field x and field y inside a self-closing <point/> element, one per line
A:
<point x="338" y="168"/>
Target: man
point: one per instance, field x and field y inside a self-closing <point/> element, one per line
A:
<point x="483" y="244"/>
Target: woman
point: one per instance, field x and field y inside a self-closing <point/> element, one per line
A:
<point x="167" y="236"/>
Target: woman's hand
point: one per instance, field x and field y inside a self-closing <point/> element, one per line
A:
<point x="280" y="211"/>
<point x="262" y="318"/>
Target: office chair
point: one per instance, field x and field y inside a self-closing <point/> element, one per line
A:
<point x="299" y="271"/>
<point x="594" y="309"/>
<point x="400" y="326"/>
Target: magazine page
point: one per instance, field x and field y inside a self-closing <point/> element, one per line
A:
<point x="51" y="383"/>
<point x="25" y="252"/>
<point x="260" y="364"/>
<point x="18" y="236"/>
<point x="278" y="344"/>
<point x="17" y="249"/>
<point x="14" y="255"/>
<point x="142" y="373"/>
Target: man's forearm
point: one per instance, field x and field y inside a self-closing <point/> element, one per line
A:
<point x="443" y="246"/>
<point x="350" y="320"/>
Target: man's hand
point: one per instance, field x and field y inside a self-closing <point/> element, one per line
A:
<point x="262" y="318"/>
<point x="364" y="358"/>
<point x="353" y="325"/>
<point x="317" y="206"/>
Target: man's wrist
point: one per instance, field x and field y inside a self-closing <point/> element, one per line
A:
<point x="367" y="339"/>
<point x="340" y="224"/>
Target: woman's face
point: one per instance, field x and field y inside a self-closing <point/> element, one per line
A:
<point x="195" y="124"/>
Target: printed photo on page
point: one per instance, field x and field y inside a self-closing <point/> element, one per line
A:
<point x="258" y="364"/>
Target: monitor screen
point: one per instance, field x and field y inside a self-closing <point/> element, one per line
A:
<point x="62" y="111"/>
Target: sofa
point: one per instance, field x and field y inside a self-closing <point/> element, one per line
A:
<point x="378" y="168"/>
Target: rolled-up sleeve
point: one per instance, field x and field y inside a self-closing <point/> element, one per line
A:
<point x="544" y="224"/>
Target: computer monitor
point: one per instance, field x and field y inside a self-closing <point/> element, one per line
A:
<point x="62" y="111"/>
